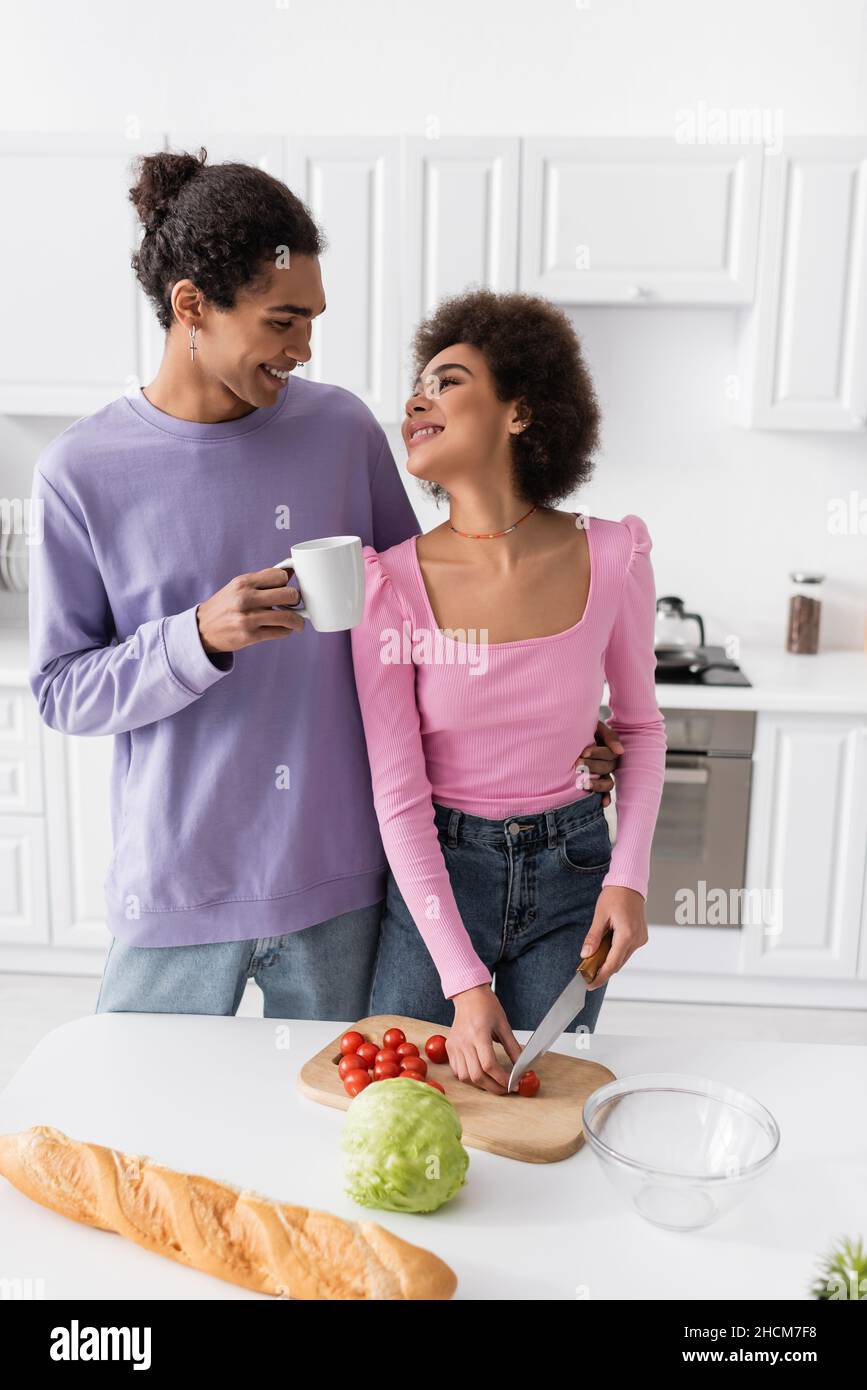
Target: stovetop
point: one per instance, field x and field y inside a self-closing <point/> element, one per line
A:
<point x="731" y="674"/>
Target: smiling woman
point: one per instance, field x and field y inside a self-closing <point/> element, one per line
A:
<point x="526" y="349"/>
<point x="502" y="871"/>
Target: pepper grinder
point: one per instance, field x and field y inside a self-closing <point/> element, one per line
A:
<point x="804" y="613"/>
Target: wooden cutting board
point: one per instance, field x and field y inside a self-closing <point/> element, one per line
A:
<point x="535" y="1129"/>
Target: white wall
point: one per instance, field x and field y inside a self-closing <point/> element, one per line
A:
<point x="730" y="511"/>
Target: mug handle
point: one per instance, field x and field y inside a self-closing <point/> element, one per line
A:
<point x="299" y="606"/>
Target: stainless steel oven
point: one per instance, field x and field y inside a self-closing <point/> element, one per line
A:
<point x="700" y="842"/>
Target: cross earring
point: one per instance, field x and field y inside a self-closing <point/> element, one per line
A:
<point x="192" y="344"/>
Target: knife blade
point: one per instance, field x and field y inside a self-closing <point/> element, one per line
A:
<point x="561" y="1013"/>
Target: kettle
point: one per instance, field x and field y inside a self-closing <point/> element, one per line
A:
<point x="676" y="630"/>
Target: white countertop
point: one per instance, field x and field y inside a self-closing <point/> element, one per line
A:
<point x="828" y="683"/>
<point x="217" y="1096"/>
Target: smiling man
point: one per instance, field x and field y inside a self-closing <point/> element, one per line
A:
<point x="245" y="840"/>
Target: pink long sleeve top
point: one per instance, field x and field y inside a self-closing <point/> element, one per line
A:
<point x="495" y="728"/>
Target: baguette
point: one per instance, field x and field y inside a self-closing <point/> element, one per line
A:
<point x="236" y="1235"/>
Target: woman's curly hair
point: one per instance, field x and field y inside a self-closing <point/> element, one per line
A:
<point x="219" y="225"/>
<point x="534" y="356"/>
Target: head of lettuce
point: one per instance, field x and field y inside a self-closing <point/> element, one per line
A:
<point x="402" y="1147"/>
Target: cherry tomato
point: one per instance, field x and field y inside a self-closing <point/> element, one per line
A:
<point x="383" y="1070"/>
<point x="352" y="1061"/>
<point x="435" y="1047"/>
<point x="394" y="1037"/>
<point x="414" y="1064"/>
<point x="410" y="1076"/>
<point x="355" y="1081"/>
<point x="528" y="1084"/>
<point x="436" y="1085"/>
<point x="367" y="1052"/>
<point x="386" y="1054"/>
<point x="351" y="1042"/>
<point x="407" y="1050"/>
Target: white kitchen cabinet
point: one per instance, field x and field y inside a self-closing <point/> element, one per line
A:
<point x="78" y="818"/>
<point x="807" y="845"/>
<point x="862" y="960"/>
<point x="352" y="187"/>
<point x="461" y="222"/>
<point x="75" y="226"/>
<point x="805" y="344"/>
<point x="24" y="916"/>
<point x="23" y="898"/>
<point x="20" y="753"/>
<point x="639" y="221"/>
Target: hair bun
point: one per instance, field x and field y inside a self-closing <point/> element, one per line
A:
<point x="160" y="178"/>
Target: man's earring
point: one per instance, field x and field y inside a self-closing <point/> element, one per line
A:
<point x="193" y="344"/>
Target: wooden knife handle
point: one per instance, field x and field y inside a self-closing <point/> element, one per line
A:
<point x="591" y="965"/>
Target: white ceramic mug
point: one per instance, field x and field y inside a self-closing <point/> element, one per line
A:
<point x="329" y="575"/>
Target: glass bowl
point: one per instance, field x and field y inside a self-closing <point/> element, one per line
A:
<point x="681" y="1150"/>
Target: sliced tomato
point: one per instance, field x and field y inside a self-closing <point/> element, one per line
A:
<point x="529" y="1084"/>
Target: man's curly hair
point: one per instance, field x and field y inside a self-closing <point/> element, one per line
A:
<point x="219" y="225"/>
<point x="534" y="356"/>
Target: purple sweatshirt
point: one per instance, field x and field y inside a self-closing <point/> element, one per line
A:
<point x="241" y="792"/>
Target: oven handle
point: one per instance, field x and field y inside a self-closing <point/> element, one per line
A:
<point x="686" y="774"/>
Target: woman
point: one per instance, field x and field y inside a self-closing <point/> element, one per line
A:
<point x="501" y="862"/>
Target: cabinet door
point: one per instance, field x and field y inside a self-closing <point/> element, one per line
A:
<point x="461" y="219"/>
<point x="632" y="221"/>
<point x="23" y="893"/>
<point x="862" y="963"/>
<point x="806" y="343"/>
<point x="807" y="845"/>
<point x="20" y="753"/>
<point x="351" y="186"/>
<point x="73" y="229"/>
<point x="78" y="815"/>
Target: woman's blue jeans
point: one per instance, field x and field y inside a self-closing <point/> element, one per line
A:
<point x="526" y="889"/>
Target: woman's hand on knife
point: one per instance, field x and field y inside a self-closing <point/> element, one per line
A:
<point x="479" y="1020"/>
<point x="621" y="909"/>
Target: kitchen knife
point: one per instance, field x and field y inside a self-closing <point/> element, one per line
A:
<point x="562" y="1011"/>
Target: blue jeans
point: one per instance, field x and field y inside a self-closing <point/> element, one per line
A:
<point x="526" y="889"/>
<point x="323" y="971"/>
